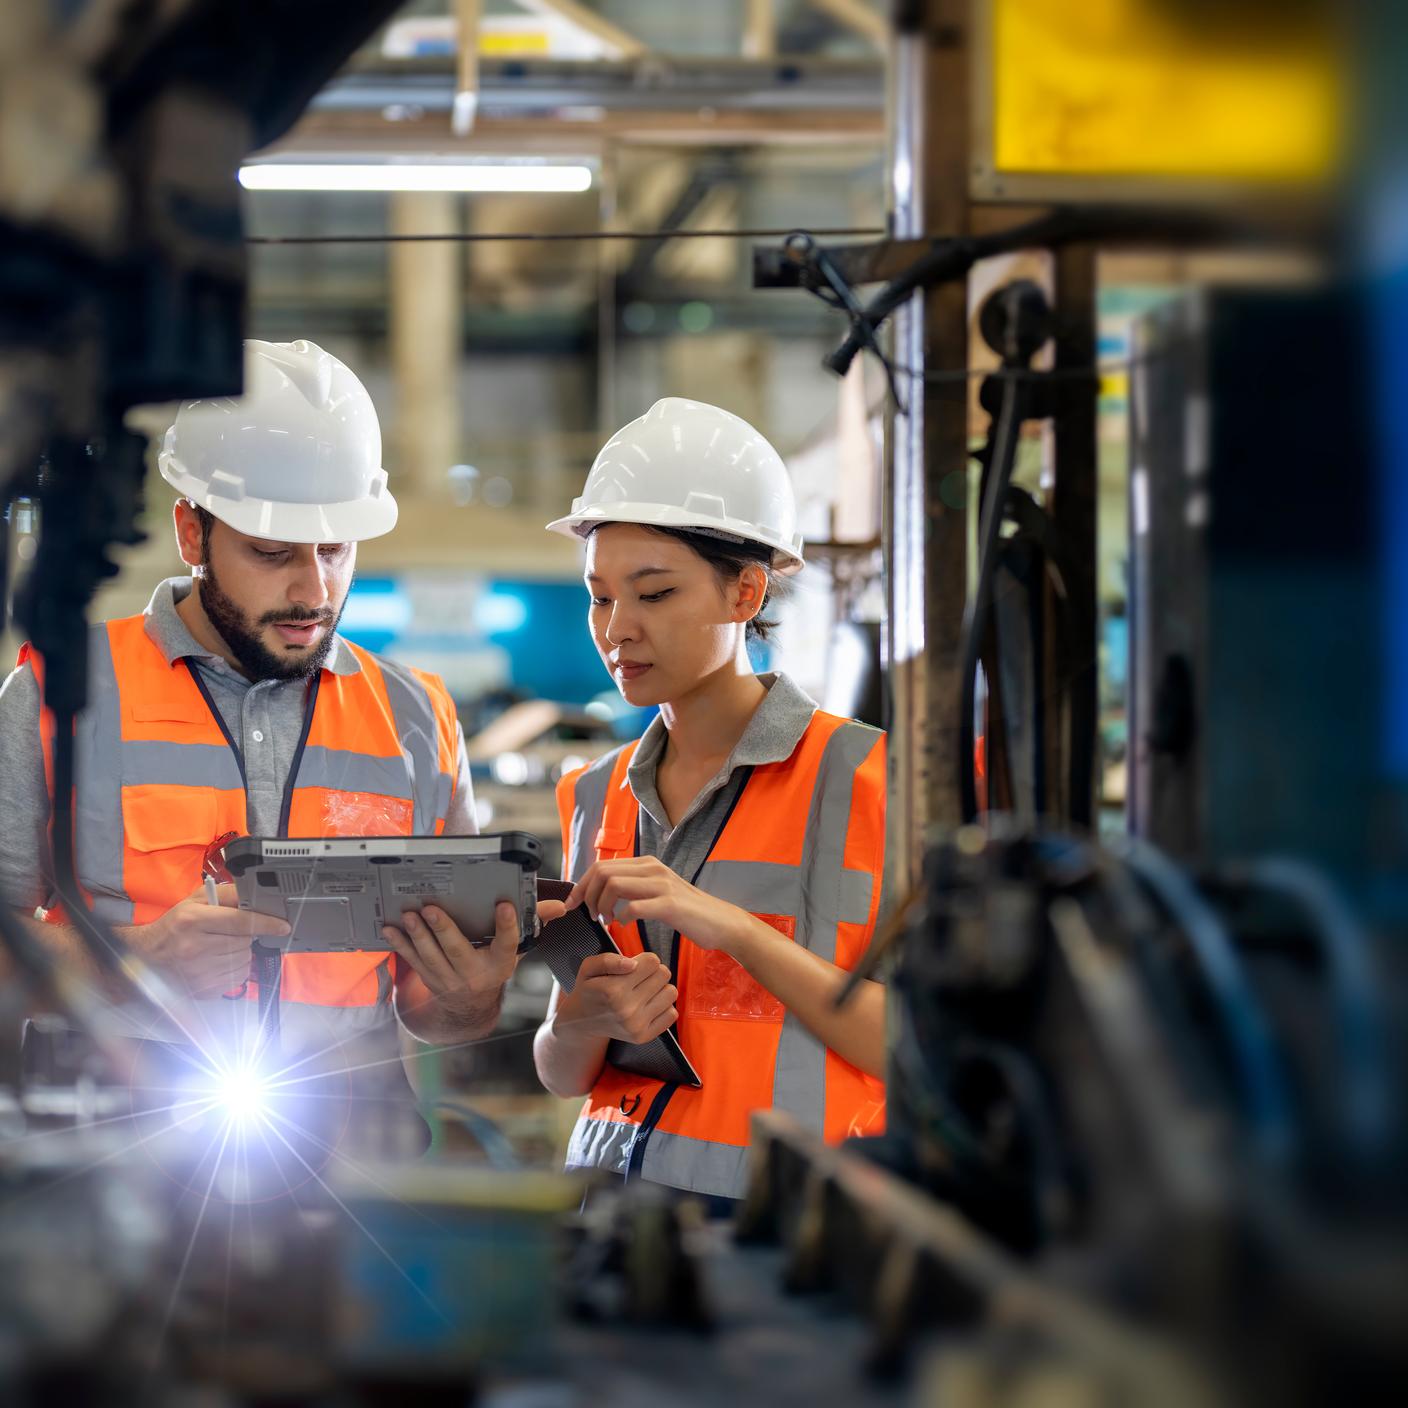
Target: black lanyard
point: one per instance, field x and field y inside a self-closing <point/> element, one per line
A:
<point x="699" y="870"/>
<point x="310" y="701"/>
<point x="267" y="965"/>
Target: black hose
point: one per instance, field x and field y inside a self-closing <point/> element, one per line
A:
<point x="975" y="612"/>
<point x="948" y="260"/>
<point x="1261" y="1076"/>
<point x="1346" y="949"/>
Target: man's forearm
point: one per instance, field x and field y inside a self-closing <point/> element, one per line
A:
<point x="68" y="950"/>
<point x="445" y="1021"/>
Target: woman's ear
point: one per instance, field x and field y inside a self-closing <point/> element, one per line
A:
<point x="750" y="591"/>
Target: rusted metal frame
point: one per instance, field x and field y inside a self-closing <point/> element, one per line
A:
<point x="926" y="538"/>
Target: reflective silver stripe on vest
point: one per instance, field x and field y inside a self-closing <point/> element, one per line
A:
<point x="831" y="896"/>
<point x="760" y="887"/>
<point x="419" y="733"/>
<point x="344" y="771"/>
<point x="699" y="1165"/>
<point x="696" y="1165"/>
<point x="180" y="765"/>
<point x="588" y="808"/>
<point x="603" y="1144"/>
<point x="98" y="760"/>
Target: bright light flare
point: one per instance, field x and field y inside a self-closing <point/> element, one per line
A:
<point x="243" y="1095"/>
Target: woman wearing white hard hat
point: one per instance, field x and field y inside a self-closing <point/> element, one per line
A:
<point x="736" y="850"/>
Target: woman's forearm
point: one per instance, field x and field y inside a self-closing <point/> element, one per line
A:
<point x="568" y="1061"/>
<point x="807" y="986"/>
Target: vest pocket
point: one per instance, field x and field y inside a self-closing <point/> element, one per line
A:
<point x="161" y="818"/>
<point x="165" y="831"/>
<point x="721" y="987"/>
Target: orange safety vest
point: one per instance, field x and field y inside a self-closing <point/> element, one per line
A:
<point x="158" y="778"/>
<point x="803" y="850"/>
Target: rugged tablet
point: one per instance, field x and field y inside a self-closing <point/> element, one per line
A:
<point x="338" y="892"/>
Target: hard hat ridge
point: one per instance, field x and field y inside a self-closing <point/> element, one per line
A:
<point x="296" y="458"/>
<point x="301" y="363"/>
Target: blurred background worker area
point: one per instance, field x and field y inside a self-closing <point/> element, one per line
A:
<point x="709" y="703"/>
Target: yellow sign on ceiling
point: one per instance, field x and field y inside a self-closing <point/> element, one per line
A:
<point x="1172" y="88"/>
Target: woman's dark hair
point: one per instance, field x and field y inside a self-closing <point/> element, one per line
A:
<point x="728" y="558"/>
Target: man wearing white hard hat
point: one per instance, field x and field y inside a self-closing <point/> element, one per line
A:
<point x="233" y="706"/>
<point x="736" y="851"/>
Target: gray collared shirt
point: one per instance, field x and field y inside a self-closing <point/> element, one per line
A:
<point x="772" y="736"/>
<point x="264" y="717"/>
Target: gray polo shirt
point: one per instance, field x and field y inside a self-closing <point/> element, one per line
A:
<point x="264" y="717"/>
<point x="772" y="736"/>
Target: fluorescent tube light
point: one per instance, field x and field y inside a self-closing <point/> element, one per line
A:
<point x="404" y="176"/>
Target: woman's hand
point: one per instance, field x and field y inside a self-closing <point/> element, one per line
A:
<point x="619" y="998"/>
<point x="623" y="891"/>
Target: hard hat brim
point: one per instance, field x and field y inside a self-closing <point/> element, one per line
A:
<point x="787" y="556"/>
<point x="280" y="522"/>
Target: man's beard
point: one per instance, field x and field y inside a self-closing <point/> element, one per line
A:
<point x="255" y="658"/>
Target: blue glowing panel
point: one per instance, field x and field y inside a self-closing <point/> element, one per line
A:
<point x="378" y="612"/>
<point x="539" y="627"/>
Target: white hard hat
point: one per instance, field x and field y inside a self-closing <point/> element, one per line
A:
<point x="684" y="464"/>
<point x="297" y="458"/>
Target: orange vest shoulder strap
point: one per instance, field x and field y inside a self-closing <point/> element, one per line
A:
<point x="355" y="706"/>
<point x="769" y="822"/>
<point x="566" y="803"/>
<point x="617" y="836"/>
<point x="446" y="719"/>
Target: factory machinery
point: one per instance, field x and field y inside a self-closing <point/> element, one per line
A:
<point x="1145" y="1140"/>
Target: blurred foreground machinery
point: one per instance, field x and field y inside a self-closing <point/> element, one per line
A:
<point x="1152" y="1090"/>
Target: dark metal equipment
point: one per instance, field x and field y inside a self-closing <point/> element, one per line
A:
<point x="1257" y="699"/>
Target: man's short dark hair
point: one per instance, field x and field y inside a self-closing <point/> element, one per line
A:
<point x="207" y="525"/>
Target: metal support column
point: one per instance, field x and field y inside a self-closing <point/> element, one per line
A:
<point x="425" y="317"/>
<point x="1072" y="674"/>
<point x="607" y="273"/>
<point x="925" y="527"/>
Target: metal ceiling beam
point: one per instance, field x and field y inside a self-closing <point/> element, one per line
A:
<point x="516" y="87"/>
